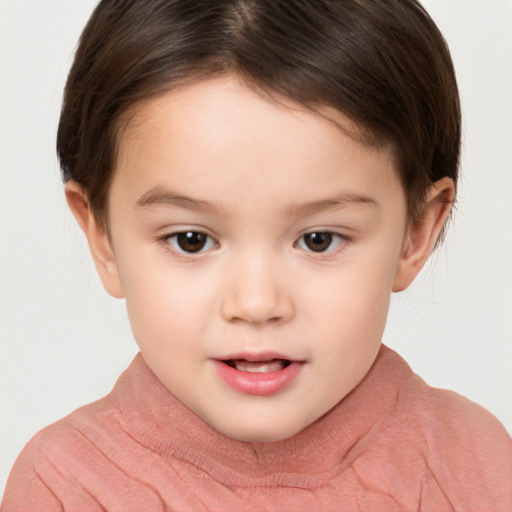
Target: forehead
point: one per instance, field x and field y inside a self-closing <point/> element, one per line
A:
<point x="220" y="134"/>
<point x="204" y="104"/>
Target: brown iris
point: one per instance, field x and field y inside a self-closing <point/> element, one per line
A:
<point x="318" y="242"/>
<point x="191" y="241"/>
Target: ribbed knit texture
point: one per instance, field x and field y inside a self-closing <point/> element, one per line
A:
<point x="393" y="444"/>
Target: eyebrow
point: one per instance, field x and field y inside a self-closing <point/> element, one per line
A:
<point x="161" y="197"/>
<point x="339" y="201"/>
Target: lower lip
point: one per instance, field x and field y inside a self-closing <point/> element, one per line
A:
<point x="255" y="383"/>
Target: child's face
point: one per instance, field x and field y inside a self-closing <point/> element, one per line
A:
<point x="257" y="247"/>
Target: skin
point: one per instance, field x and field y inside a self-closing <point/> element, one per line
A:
<point x="255" y="176"/>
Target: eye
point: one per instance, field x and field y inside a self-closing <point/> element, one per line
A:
<point x="320" y="241"/>
<point x="190" y="242"/>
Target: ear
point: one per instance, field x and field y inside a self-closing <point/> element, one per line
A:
<point x="97" y="237"/>
<point x="423" y="232"/>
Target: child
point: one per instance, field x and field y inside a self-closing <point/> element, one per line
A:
<point x="256" y="178"/>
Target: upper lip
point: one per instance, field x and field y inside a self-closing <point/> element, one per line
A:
<point x="256" y="356"/>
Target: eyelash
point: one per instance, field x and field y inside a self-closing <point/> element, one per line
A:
<point x="332" y="238"/>
<point x="172" y="242"/>
<point x="174" y="237"/>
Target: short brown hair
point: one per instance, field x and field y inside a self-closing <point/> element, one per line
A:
<point x="382" y="63"/>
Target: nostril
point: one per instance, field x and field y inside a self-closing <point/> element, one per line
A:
<point x="257" y="305"/>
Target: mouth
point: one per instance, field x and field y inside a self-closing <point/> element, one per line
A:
<point x="264" y="366"/>
<point x="258" y="374"/>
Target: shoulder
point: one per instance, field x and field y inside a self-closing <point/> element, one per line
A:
<point x="59" y="453"/>
<point x="81" y="429"/>
<point x="91" y="429"/>
<point x="448" y="418"/>
<point x="466" y="450"/>
<point x="445" y="418"/>
<point x="476" y="441"/>
<point x="433" y="449"/>
<point x="79" y="460"/>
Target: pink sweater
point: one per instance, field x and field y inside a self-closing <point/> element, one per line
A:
<point x="394" y="443"/>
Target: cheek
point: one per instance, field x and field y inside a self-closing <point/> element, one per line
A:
<point x="355" y="320"/>
<point x="353" y="308"/>
<point x="353" y="326"/>
<point x="167" y="309"/>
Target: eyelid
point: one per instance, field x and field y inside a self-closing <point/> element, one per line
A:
<point x="172" y="234"/>
<point x="213" y="243"/>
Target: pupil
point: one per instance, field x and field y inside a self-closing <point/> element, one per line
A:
<point x="318" y="242"/>
<point x="191" y="241"/>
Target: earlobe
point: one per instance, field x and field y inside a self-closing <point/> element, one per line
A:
<point x="97" y="237"/>
<point x="423" y="232"/>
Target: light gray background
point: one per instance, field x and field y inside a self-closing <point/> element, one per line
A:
<point x="63" y="341"/>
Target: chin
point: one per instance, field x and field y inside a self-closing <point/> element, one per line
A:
<point x="254" y="433"/>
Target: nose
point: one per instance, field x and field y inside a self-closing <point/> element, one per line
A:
<point x="256" y="293"/>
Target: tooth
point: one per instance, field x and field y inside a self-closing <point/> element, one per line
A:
<point x="259" y="366"/>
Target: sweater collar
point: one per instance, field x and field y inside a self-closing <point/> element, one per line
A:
<point x="158" y="420"/>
